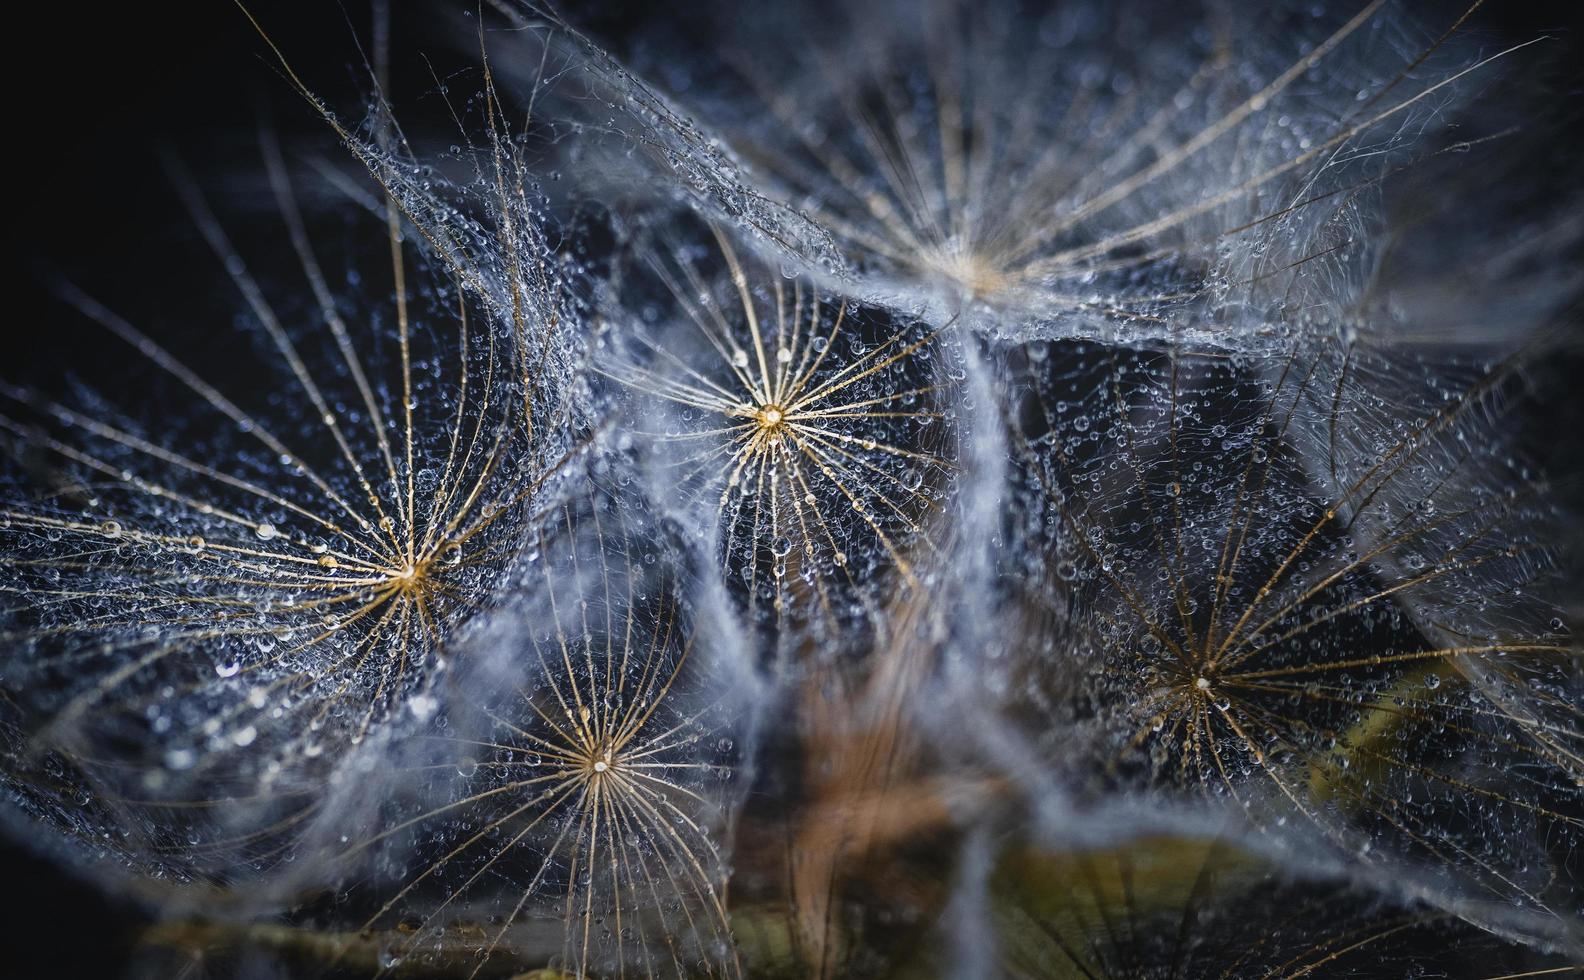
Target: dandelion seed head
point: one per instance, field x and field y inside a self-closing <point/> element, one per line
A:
<point x="1075" y="172"/>
<point x="1258" y="624"/>
<point x="585" y="791"/>
<point x="284" y="570"/>
<point x="842" y="448"/>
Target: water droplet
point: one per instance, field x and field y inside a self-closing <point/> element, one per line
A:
<point x="180" y="759"/>
<point x="423" y="706"/>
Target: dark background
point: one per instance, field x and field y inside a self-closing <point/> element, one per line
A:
<point x="97" y="94"/>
